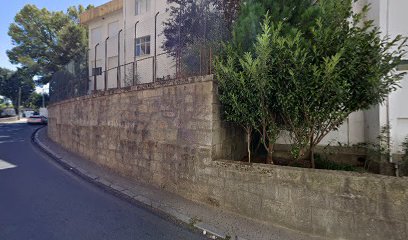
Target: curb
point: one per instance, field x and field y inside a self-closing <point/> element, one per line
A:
<point x="209" y="231"/>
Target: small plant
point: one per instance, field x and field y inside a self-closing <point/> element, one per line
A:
<point x="324" y="163"/>
<point x="404" y="160"/>
<point x="194" y="221"/>
<point x="378" y="152"/>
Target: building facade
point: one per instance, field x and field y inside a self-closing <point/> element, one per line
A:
<point x="122" y="33"/>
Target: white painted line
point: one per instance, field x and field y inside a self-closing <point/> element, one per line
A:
<point x="5" y="165"/>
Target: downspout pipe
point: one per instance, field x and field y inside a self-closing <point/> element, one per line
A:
<point x="134" y="57"/>
<point x="94" y="71"/>
<point x="155" y="48"/>
<point x="106" y="63"/>
<point x="88" y="79"/>
<point x="118" y="71"/>
<point x="124" y="42"/>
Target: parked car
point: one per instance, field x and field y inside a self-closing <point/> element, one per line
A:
<point x="28" y="113"/>
<point x="37" y="119"/>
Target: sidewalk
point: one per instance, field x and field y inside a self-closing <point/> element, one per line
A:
<point x="12" y="120"/>
<point x="217" y="223"/>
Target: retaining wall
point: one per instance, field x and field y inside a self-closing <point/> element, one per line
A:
<point x="170" y="134"/>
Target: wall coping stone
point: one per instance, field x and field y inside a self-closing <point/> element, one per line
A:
<point x="268" y="168"/>
<point x="139" y="87"/>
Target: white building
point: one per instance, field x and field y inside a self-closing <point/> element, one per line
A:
<point x="112" y="30"/>
<point x="107" y="20"/>
<point x="391" y="17"/>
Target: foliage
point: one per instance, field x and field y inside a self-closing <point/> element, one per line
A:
<point x="35" y="101"/>
<point x="10" y="82"/>
<point x="3" y="104"/>
<point x="378" y="151"/>
<point x="268" y="125"/>
<point x="315" y="77"/>
<point x="237" y="91"/>
<point x="404" y="162"/>
<point x="324" y="163"/>
<point x="229" y="9"/>
<point x="196" y="23"/>
<point x="297" y="14"/>
<point x="44" y="41"/>
<point x="349" y="68"/>
<point x="260" y="107"/>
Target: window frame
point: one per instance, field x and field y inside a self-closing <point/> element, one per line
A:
<point x="95" y="31"/>
<point x="142" y="7"/>
<point x="143" y="43"/>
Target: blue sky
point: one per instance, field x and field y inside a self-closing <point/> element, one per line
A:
<point x="10" y="8"/>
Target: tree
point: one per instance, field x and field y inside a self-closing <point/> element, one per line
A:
<point x="268" y="125"/>
<point x="193" y="22"/>
<point x="236" y="91"/>
<point x="12" y="81"/>
<point x="35" y="101"/>
<point x="297" y="14"/>
<point x="344" y="67"/>
<point x="45" y="41"/>
<point x="307" y="81"/>
<point x="229" y="9"/>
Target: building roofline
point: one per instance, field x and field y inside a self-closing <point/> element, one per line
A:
<point x="100" y="11"/>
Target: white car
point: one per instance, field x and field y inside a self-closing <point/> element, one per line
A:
<point x="37" y="119"/>
<point x="28" y="114"/>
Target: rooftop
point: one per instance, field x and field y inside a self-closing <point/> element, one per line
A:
<point x="97" y="12"/>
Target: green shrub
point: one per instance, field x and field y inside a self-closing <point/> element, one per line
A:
<point x="404" y="161"/>
<point x="324" y="163"/>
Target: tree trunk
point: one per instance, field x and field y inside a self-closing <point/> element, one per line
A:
<point x="312" y="160"/>
<point x="249" y="144"/>
<point x="311" y="152"/>
<point x="269" y="158"/>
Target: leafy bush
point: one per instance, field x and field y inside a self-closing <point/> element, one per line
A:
<point x="311" y="79"/>
<point x="324" y="163"/>
<point x="404" y="162"/>
<point x="377" y="152"/>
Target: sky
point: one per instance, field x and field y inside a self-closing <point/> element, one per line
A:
<point x="10" y="8"/>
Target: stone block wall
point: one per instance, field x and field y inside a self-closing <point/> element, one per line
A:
<point x="160" y="133"/>
<point x="332" y="204"/>
<point x="170" y="134"/>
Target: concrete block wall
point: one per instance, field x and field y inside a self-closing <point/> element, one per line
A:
<point x="170" y="134"/>
<point x="332" y="204"/>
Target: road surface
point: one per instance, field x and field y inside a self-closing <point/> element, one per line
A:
<point x="41" y="200"/>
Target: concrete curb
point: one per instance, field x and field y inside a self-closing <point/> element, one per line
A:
<point x="207" y="229"/>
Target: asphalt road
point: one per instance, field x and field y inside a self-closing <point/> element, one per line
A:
<point x="41" y="200"/>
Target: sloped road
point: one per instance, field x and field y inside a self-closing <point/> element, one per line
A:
<point x="41" y="200"/>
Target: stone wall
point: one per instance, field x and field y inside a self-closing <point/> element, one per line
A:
<point x="161" y="133"/>
<point x="333" y="204"/>
<point x="170" y="134"/>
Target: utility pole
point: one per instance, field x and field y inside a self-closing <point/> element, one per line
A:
<point x="18" y="103"/>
